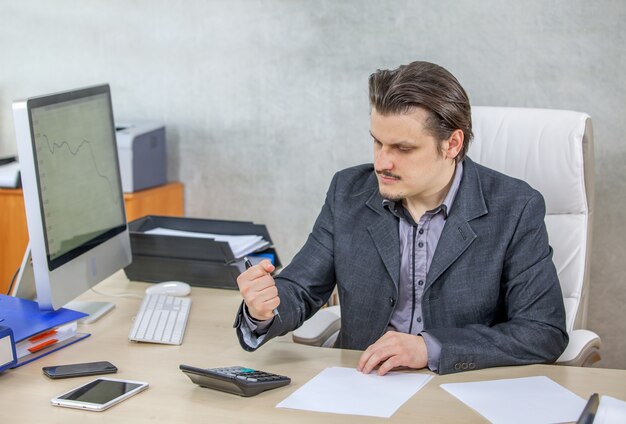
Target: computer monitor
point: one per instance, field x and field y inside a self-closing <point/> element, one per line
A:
<point x="72" y="192"/>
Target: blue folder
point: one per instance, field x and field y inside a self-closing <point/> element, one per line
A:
<point x="26" y="320"/>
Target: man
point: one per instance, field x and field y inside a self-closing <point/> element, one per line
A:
<point x="439" y="262"/>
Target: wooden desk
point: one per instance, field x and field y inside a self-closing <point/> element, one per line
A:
<point x="210" y="341"/>
<point x="162" y="200"/>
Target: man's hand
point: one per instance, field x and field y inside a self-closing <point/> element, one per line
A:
<point x="393" y="350"/>
<point x="258" y="289"/>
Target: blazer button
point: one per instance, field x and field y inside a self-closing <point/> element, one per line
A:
<point x="472" y="365"/>
<point x="464" y="365"/>
<point x="457" y="366"/>
<point x="392" y="301"/>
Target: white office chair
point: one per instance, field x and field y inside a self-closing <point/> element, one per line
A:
<point x="553" y="151"/>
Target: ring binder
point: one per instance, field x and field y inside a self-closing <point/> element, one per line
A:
<point x="8" y="356"/>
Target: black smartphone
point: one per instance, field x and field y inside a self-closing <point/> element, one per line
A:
<point x="77" y="370"/>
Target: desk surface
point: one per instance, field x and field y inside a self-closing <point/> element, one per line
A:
<point x="210" y="341"/>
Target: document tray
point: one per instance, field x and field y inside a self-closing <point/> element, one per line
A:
<point x="198" y="261"/>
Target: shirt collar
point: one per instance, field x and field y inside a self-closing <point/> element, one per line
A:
<point x="396" y="208"/>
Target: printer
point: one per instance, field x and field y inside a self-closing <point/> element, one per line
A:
<point x="142" y="155"/>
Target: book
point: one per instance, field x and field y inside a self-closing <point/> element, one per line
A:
<point x="38" y="333"/>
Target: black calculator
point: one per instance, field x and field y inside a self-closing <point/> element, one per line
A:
<point x="238" y="380"/>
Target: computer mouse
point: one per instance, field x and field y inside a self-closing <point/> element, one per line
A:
<point x="171" y="288"/>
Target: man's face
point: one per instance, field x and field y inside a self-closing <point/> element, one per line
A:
<point x="406" y="159"/>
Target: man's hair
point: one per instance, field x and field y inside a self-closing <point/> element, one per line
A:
<point x="426" y="85"/>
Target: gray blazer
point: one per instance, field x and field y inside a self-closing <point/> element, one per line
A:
<point x="492" y="296"/>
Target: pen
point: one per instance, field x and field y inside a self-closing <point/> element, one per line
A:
<point x="248" y="266"/>
<point x="589" y="413"/>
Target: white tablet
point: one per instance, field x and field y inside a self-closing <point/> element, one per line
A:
<point x="100" y="394"/>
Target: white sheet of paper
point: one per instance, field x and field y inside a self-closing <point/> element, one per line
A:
<point x="519" y="400"/>
<point x="610" y="411"/>
<point x="347" y="391"/>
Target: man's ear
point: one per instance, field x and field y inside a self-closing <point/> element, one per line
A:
<point x="454" y="144"/>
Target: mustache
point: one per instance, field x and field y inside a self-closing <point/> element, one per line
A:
<point x="388" y="174"/>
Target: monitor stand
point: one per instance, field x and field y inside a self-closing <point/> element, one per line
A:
<point x="95" y="310"/>
<point x="25" y="288"/>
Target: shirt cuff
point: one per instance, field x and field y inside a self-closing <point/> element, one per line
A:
<point x="253" y="331"/>
<point x="433" y="349"/>
<point x="256" y="326"/>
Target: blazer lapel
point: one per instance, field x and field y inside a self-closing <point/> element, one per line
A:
<point x="384" y="233"/>
<point x="456" y="237"/>
<point x="457" y="234"/>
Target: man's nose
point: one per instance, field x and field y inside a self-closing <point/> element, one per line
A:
<point x="383" y="160"/>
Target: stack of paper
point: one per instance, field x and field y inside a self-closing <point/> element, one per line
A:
<point x="47" y="338"/>
<point x="38" y="333"/>
<point x="241" y="245"/>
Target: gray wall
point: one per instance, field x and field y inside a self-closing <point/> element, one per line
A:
<point x="265" y="100"/>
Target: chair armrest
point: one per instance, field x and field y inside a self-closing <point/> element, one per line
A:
<point x="317" y="330"/>
<point x="582" y="349"/>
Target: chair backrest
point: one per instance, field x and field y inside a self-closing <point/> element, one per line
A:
<point x="552" y="150"/>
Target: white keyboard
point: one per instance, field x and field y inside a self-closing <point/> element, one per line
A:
<point x="161" y="319"/>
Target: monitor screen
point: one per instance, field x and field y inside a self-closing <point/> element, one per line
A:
<point x="72" y="191"/>
<point x="79" y="189"/>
